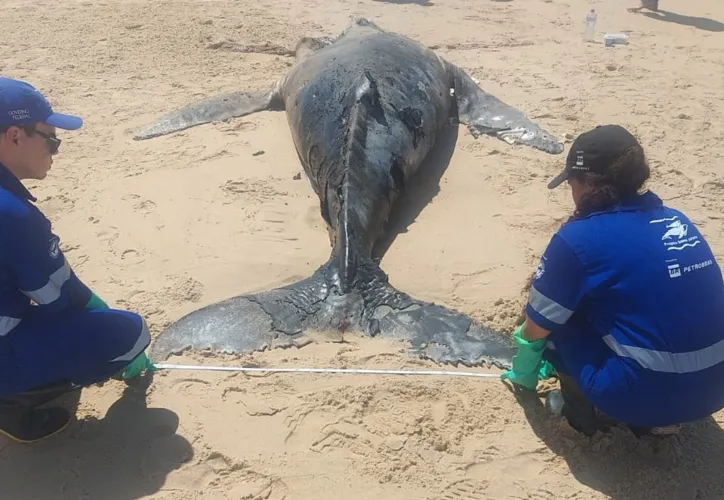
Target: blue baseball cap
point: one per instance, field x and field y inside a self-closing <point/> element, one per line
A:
<point x="22" y="104"/>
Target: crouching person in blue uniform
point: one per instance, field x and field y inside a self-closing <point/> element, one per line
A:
<point x="627" y="303"/>
<point x="56" y="335"/>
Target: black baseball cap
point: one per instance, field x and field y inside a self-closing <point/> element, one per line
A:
<point x="595" y="150"/>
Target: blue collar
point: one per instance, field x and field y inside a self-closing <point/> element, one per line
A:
<point x="644" y="201"/>
<point x="12" y="184"/>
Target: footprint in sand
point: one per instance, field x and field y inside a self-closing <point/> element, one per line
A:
<point x="254" y="406"/>
<point x="203" y="473"/>
<point x="256" y="190"/>
<point x="465" y="489"/>
<point x="524" y="464"/>
<point x="262" y="408"/>
<point x="140" y="205"/>
<point x="262" y="488"/>
<point x="349" y="437"/>
<point x="108" y="235"/>
<point x="303" y="426"/>
<point x="145" y="206"/>
<point x="713" y="188"/>
<point x="53" y="205"/>
<point x="500" y="483"/>
<point x="191" y="387"/>
<point x="238" y="479"/>
<point x="132" y="256"/>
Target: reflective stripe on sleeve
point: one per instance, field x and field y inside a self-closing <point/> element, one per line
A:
<point x="548" y="308"/>
<point x="50" y="292"/>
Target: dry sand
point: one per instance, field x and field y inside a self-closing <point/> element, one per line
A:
<point x="166" y="226"/>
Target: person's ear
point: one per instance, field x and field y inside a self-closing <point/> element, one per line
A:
<point x="11" y="135"/>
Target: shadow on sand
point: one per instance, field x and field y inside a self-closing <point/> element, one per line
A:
<point x="702" y="23"/>
<point x="124" y="456"/>
<point x="420" y="191"/>
<point x="617" y="464"/>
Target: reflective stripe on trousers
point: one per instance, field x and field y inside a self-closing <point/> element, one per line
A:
<point x="7" y="324"/>
<point x="670" y="362"/>
<point x="143" y="340"/>
<point x="660" y="361"/>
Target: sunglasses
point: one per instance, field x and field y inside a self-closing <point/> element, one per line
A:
<point x="53" y="142"/>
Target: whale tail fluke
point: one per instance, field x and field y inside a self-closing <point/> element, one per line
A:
<point x="281" y="317"/>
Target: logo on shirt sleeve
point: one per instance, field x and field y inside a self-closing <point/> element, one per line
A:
<point x="54" y="250"/>
<point x="540" y="270"/>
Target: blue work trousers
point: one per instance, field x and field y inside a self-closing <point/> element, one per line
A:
<point x="83" y="347"/>
<point x="624" y="390"/>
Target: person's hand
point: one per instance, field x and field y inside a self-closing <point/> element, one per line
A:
<point x="138" y="366"/>
<point x="528" y="363"/>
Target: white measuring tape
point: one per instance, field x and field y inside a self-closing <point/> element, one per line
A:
<point x="362" y="371"/>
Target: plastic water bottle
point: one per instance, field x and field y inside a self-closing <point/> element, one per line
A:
<point x="591" y="18"/>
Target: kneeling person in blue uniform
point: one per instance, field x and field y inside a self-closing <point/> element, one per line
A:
<point x="67" y="337"/>
<point x="627" y="303"/>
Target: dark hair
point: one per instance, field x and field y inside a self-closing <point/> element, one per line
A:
<point x="623" y="179"/>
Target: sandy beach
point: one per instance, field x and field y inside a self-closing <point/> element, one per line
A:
<point x="167" y="226"/>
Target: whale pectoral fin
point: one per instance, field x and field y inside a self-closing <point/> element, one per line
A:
<point x="484" y="113"/>
<point x="214" y="109"/>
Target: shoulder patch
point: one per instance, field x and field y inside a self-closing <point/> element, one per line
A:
<point x="54" y="250"/>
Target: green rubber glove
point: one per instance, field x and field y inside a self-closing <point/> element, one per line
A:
<point x="528" y="363"/>
<point x="96" y="302"/>
<point x="138" y="366"/>
<point x="546" y="371"/>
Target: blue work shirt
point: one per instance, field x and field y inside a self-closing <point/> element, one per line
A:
<point x="643" y="281"/>
<point x="32" y="266"/>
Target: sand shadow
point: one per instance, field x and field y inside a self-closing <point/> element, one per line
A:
<point x="421" y="3"/>
<point x="702" y="23"/>
<point x="420" y="191"/>
<point x="622" y="467"/>
<point x="124" y="456"/>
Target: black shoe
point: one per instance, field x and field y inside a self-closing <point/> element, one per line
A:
<point x="581" y="417"/>
<point x="571" y="403"/>
<point x="31" y="425"/>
